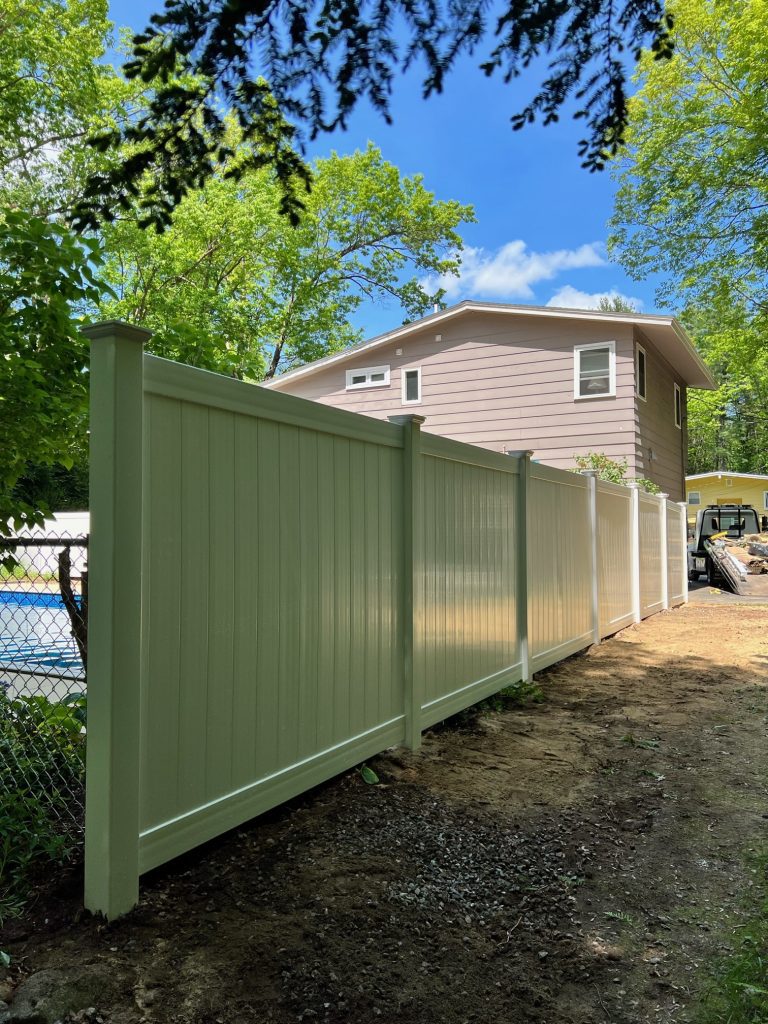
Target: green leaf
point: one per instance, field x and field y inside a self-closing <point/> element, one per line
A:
<point x="369" y="775"/>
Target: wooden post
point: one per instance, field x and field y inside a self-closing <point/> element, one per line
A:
<point x="591" y="475"/>
<point x="664" y="552"/>
<point x="634" y="554"/>
<point x="114" y="620"/>
<point x="413" y="574"/>
<point x="521" y="583"/>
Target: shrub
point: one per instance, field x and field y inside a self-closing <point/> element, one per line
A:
<point x="42" y="770"/>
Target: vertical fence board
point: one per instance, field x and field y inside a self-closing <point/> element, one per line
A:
<point x="651" y="555"/>
<point x="614" y="533"/>
<point x="326" y="530"/>
<point x="469" y="574"/>
<point x="677" y="563"/>
<point x="162" y="595"/>
<point x="221" y="613"/>
<point x="267" y="528"/>
<point x="559" y="552"/>
<point x="195" y="527"/>
<point x="246" y="601"/>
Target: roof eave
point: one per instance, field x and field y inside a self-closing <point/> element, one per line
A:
<point x="691" y="367"/>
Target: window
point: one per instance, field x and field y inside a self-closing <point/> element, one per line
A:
<point x="694" y="498"/>
<point x="765" y="499"/>
<point x="368" y="377"/>
<point x="678" y="407"/>
<point x="640" y="373"/>
<point x="728" y="482"/>
<point x="412" y="386"/>
<point x="594" y="370"/>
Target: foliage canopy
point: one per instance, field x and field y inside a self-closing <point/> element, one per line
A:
<point x="232" y="287"/>
<point x="292" y="71"/>
<point x="692" y="205"/>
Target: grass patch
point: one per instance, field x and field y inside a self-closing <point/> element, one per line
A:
<point x="517" y="695"/>
<point x="738" y="993"/>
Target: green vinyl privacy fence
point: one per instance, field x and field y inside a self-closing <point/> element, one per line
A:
<point x="279" y="590"/>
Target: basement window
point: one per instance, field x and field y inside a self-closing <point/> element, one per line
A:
<point x="594" y="370"/>
<point x="412" y="386"/>
<point x="678" y="407"/>
<point x="368" y="377"/>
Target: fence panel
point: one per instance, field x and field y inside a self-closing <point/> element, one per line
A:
<point x="677" y="560"/>
<point x="614" y="536"/>
<point x="652" y="558"/>
<point x="559" y="565"/>
<point x="270" y="613"/>
<point x="280" y="590"/>
<point x="466" y="620"/>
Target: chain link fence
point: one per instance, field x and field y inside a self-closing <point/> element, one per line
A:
<point x="43" y="659"/>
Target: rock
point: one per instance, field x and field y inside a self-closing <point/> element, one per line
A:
<point x="49" y="995"/>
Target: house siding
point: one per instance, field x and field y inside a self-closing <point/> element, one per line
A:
<point x="713" y="488"/>
<point x="501" y="383"/>
<point x="656" y="430"/>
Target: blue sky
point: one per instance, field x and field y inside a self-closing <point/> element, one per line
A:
<point x="541" y="219"/>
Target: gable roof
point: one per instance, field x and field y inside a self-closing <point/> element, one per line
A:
<point x="666" y="333"/>
<point x="725" y="472"/>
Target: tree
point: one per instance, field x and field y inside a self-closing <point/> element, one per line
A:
<point x="615" y="304"/>
<point x="232" y="287"/>
<point x="54" y="92"/>
<point x="44" y="273"/>
<point x="612" y="470"/>
<point x="205" y="57"/>
<point x="693" y="182"/>
<point x="692" y="206"/>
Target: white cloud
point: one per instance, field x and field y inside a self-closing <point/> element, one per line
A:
<point x="571" y="298"/>
<point x="511" y="271"/>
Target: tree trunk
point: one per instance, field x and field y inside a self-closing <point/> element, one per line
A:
<point x="78" y="614"/>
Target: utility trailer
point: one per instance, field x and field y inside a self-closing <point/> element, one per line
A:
<point x="710" y="555"/>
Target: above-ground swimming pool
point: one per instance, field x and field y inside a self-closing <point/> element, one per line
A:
<point x="36" y="636"/>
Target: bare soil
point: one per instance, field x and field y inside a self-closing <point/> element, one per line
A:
<point x="579" y="860"/>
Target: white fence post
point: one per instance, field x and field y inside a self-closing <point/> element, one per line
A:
<point x="635" y="550"/>
<point x="413" y="574"/>
<point x="114" y="619"/>
<point x="684" y="541"/>
<point x="521" y="583"/>
<point x="591" y="475"/>
<point x="664" y="551"/>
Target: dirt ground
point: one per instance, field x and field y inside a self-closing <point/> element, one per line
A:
<point x="579" y="860"/>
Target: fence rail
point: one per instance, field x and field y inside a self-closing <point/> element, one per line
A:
<point x="281" y="589"/>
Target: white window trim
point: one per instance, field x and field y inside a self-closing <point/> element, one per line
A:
<point x="577" y="350"/>
<point x="765" y="500"/>
<point x="403" y="371"/>
<point x="677" y="401"/>
<point x="637" y="373"/>
<point x="367" y="383"/>
<point x="696" y="495"/>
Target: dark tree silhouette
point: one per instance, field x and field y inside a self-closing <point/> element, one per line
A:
<point x="291" y="70"/>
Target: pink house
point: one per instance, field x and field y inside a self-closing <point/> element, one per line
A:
<point x="562" y="382"/>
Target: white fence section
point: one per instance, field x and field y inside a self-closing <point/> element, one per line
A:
<point x="280" y="590"/>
